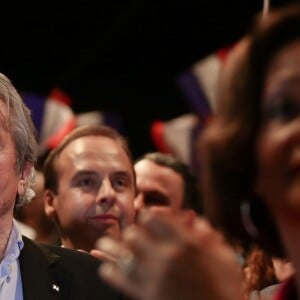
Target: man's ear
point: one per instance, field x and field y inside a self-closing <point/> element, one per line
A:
<point x="24" y="178"/>
<point x="49" y="202"/>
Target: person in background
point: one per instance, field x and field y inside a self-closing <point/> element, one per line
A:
<point x="29" y="270"/>
<point x="163" y="181"/>
<point x="265" y="274"/>
<point x="259" y="271"/>
<point x="250" y="158"/>
<point x="90" y="186"/>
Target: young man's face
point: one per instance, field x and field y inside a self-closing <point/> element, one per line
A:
<point x="158" y="187"/>
<point x="95" y="191"/>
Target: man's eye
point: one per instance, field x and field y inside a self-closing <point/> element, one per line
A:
<point x="156" y="199"/>
<point x="120" y="183"/>
<point x="281" y="109"/>
<point x="86" y="182"/>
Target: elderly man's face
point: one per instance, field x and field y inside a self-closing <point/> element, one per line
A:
<point x="11" y="183"/>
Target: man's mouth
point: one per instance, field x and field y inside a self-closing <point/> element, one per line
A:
<point x="105" y="219"/>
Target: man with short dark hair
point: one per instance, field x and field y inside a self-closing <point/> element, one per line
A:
<point x="163" y="181"/>
<point x="90" y="186"/>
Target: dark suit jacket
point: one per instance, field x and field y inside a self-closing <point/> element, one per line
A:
<point x="52" y="273"/>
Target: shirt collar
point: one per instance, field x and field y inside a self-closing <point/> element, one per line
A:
<point x="14" y="246"/>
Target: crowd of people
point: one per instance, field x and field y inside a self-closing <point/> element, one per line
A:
<point x="108" y="227"/>
<point x="250" y="158"/>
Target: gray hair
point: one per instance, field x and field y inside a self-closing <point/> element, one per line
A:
<point x="21" y="128"/>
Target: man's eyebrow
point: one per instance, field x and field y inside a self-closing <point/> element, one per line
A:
<point x="84" y="172"/>
<point x="126" y="174"/>
<point x="81" y="173"/>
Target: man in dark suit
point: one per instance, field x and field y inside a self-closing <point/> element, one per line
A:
<point x="50" y="272"/>
<point x="29" y="271"/>
<point x="89" y="186"/>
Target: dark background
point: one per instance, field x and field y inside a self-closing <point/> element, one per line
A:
<point x="118" y="56"/>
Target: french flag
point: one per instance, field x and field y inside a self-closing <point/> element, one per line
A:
<point x="54" y="117"/>
<point x="199" y="85"/>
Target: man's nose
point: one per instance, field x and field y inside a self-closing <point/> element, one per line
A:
<point x="106" y="193"/>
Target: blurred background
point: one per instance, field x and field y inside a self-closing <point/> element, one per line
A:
<point x="129" y="60"/>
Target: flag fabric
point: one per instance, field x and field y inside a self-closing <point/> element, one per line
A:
<point x="199" y="82"/>
<point x="175" y="136"/>
<point x="198" y="85"/>
<point x="54" y="117"/>
<point x="59" y="119"/>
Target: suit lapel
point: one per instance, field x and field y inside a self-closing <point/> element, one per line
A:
<point x="37" y="278"/>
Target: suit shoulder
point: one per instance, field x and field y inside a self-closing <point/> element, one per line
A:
<point x="74" y="271"/>
<point x="72" y="255"/>
<point x="83" y="269"/>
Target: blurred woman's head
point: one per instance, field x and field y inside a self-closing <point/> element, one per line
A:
<point x="249" y="151"/>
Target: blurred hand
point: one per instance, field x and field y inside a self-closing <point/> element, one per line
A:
<point x="103" y="255"/>
<point x="168" y="257"/>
